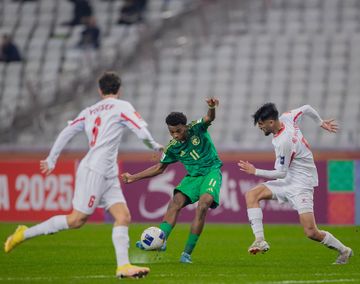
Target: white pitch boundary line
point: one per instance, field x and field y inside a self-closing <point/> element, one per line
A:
<point x="41" y="278"/>
<point x="309" y="281"/>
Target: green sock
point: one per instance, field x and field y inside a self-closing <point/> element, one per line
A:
<point x="191" y="243"/>
<point x="166" y="228"/>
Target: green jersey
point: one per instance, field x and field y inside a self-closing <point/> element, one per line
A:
<point x="197" y="153"/>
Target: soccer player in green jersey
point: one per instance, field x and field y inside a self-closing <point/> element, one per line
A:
<point x="192" y="146"/>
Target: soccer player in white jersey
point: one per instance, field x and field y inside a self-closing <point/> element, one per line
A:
<point x="294" y="177"/>
<point x="97" y="183"/>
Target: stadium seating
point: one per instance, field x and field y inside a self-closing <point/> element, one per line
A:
<point x="290" y="52"/>
<point x="53" y="68"/>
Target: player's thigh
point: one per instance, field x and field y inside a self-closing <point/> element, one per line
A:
<point x="261" y="192"/>
<point x="89" y="188"/>
<point x="190" y="187"/>
<point x="302" y="200"/>
<point x="273" y="189"/>
<point x="211" y="186"/>
<point x="113" y="194"/>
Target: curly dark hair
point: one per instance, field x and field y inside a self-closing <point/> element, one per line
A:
<point x="176" y="118"/>
<point x="266" y="111"/>
<point x="109" y="83"/>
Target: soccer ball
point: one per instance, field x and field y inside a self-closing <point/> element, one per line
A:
<point x="152" y="238"/>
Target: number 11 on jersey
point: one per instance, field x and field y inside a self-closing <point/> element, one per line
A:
<point x="194" y="155"/>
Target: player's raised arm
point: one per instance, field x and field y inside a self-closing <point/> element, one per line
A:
<point x="212" y="104"/>
<point x="327" y="124"/>
<point x="149" y="172"/>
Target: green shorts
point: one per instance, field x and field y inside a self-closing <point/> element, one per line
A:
<point x="194" y="187"/>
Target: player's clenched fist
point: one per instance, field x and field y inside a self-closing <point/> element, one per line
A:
<point x="212" y="102"/>
<point x="126" y="178"/>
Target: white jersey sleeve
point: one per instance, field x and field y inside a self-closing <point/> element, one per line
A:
<point x="284" y="155"/>
<point x="308" y="110"/>
<point x="135" y="123"/>
<point x="75" y="126"/>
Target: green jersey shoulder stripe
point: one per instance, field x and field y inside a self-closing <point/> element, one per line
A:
<point x="194" y="122"/>
<point x="171" y="143"/>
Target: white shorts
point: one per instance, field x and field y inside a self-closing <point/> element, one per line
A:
<point x="301" y="199"/>
<point x="93" y="190"/>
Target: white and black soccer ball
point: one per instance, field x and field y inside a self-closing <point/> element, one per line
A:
<point x="152" y="238"/>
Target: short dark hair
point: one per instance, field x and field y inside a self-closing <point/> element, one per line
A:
<point x="109" y="83"/>
<point x="176" y="118"/>
<point x="266" y="111"/>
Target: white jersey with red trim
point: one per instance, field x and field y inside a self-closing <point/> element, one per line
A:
<point x="293" y="154"/>
<point x="103" y="123"/>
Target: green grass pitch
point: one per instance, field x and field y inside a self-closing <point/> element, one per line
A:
<point x="86" y="256"/>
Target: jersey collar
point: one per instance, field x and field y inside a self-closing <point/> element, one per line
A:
<point x="281" y="130"/>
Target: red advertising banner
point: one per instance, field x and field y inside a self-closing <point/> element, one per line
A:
<point x="148" y="199"/>
<point x="27" y="195"/>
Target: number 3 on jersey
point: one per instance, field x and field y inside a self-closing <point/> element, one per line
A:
<point x="95" y="131"/>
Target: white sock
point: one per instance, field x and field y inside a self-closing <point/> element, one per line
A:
<point x="255" y="217"/>
<point x="331" y="242"/>
<point x="120" y="238"/>
<point x="50" y="226"/>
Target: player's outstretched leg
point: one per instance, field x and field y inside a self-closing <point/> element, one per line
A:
<point x="259" y="246"/>
<point x="344" y="256"/>
<point x="166" y="228"/>
<point x="131" y="271"/>
<point x="15" y="239"/>
<point x="170" y="217"/>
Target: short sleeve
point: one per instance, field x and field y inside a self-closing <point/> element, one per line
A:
<point x="168" y="157"/>
<point x="200" y="125"/>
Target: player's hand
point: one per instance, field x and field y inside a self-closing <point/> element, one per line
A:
<point x="44" y="167"/>
<point x="212" y="102"/>
<point x="247" y="167"/>
<point x="126" y="178"/>
<point x="156" y="156"/>
<point x="330" y="125"/>
<point x="160" y="148"/>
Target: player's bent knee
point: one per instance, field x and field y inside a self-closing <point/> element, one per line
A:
<point x="250" y="197"/>
<point x="76" y="219"/>
<point x="203" y="207"/>
<point x="76" y="223"/>
<point x="123" y="220"/>
<point x="176" y="204"/>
